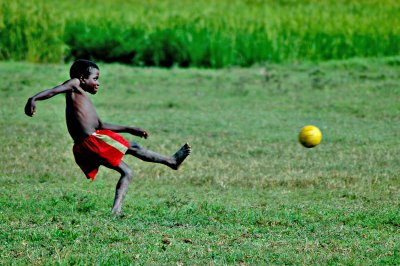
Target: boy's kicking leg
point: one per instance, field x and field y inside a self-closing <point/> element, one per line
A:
<point x="173" y="161"/>
<point x="122" y="186"/>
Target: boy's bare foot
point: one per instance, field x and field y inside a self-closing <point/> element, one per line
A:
<point x="116" y="211"/>
<point x="181" y="155"/>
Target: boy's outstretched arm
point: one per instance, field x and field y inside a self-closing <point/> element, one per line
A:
<point x="30" y="106"/>
<point x="124" y="129"/>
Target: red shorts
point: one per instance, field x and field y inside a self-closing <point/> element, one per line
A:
<point x="103" y="147"/>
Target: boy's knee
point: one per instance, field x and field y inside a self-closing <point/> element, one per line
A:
<point x="128" y="173"/>
<point x="125" y="171"/>
<point x="134" y="147"/>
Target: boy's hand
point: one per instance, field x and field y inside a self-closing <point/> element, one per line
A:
<point x="139" y="132"/>
<point x="30" y="107"/>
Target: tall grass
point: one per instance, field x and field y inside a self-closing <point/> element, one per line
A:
<point x="30" y="32"/>
<point x="204" y="33"/>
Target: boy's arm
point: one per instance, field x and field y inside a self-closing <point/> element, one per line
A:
<point x="124" y="129"/>
<point x="30" y="106"/>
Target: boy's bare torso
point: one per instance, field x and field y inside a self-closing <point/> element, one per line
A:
<point x="81" y="116"/>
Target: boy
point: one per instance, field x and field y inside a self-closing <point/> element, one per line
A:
<point x="96" y="142"/>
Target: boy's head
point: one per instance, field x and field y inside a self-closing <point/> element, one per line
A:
<point x="82" y="68"/>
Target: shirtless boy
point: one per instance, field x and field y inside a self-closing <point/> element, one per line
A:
<point x="96" y="142"/>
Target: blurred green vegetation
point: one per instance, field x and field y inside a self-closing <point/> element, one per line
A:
<point x="205" y="33"/>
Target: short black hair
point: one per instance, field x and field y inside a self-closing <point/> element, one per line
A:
<point x="82" y="67"/>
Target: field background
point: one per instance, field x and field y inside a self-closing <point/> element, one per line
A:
<point x="249" y="193"/>
<point x="206" y="33"/>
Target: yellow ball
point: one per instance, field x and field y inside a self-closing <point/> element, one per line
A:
<point x="310" y="136"/>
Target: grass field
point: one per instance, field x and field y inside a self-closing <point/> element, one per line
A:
<point x="249" y="193"/>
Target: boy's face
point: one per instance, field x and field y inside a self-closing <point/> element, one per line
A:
<point x="91" y="83"/>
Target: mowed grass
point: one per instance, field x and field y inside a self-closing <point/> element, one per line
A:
<point x="249" y="193"/>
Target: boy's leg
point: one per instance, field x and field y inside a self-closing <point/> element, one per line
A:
<point x="173" y="161"/>
<point x="122" y="186"/>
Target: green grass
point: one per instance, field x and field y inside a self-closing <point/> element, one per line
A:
<point x="249" y="193"/>
<point x="207" y="33"/>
